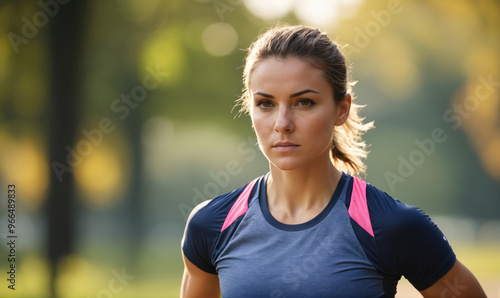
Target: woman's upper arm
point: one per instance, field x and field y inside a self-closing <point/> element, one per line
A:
<point x="200" y="234"/>
<point x="198" y="283"/>
<point x="458" y="282"/>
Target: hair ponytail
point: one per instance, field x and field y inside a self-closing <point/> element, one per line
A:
<point x="348" y="147"/>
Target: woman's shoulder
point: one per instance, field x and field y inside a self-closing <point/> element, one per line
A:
<point x="207" y="222"/>
<point x="381" y="215"/>
<point x="377" y="212"/>
<point x="392" y="212"/>
<point x="402" y="226"/>
<point x="212" y="213"/>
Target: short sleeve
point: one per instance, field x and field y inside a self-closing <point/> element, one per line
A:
<point x="413" y="246"/>
<point x="199" y="239"/>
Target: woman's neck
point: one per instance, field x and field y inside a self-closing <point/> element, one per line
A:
<point x="296" y="196"/>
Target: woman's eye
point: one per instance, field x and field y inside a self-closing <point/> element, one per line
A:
<point x="305" y="103"/>
<point x="265" y="104"/>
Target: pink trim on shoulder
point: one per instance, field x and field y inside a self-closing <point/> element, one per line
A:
<point x="358" y="208"/>
<point x="239" y="207"/>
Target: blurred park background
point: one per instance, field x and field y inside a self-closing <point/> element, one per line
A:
<point x="116" y="119"/>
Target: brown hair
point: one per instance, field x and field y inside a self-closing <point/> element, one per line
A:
<point x="348" y="148"/>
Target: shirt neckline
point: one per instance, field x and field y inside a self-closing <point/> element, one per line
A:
<point x="302" y="226"/>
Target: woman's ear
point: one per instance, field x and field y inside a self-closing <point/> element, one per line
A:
<point x="343" y="108"/>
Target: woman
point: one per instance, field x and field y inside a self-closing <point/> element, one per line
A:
<point x="308" y="228"/>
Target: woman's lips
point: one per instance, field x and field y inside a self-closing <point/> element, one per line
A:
<point x="285" y="148"/>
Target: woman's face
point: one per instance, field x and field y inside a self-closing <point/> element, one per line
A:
<point x="293" y="112"/>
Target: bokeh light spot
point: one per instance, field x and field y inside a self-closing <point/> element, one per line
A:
<point x="164" y="51"/>
<point x="269" y="10"/>
<point x="324" y="13"/>
<point x="24" y="164"/>
<point x="219" y="39"/>
<point x="35" y="271"/>
<point x="73" y="276"/>
<point x="100" y="177"/>
<point x="398" y="76"/>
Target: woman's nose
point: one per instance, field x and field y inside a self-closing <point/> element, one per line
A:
<point x="284" y="122"/>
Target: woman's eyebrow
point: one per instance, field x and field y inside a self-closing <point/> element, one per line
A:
<point x="303" y="92"/>
<point x="263" y="94"/>
<point x="291" y="96"/>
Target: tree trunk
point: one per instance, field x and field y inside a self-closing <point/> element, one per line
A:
<point x="65" y="45"/>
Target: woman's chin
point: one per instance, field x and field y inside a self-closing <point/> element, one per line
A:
<point x="287" y="165"/>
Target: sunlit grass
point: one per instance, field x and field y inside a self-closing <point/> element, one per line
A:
<point x="483" y="260"/>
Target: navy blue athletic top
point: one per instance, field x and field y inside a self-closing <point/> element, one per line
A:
<point x="358" y="246"/>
